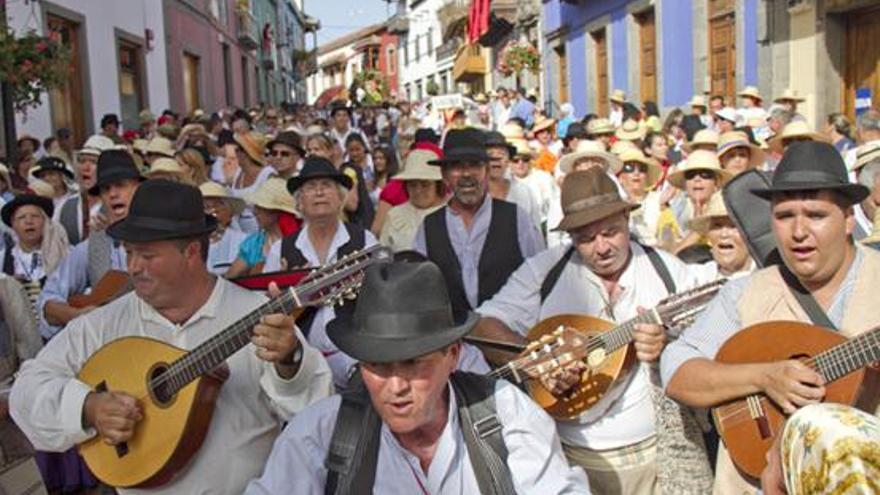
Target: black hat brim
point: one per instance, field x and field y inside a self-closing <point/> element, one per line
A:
<point x="17" y="202"/>
<point x="108" y="179"/>
<point x="130" y="229"/>
<point x="367" y="347"/>
<point x="466" y="156"/>
<point x="854" y="193"/>
<point x="64" y="171"/>
<point x="296" y="182"/>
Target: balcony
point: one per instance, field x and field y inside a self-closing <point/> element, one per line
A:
<point x="470" y="64"/>
<point x="448" y="49"/>
<point x="452" y="16"/>
<point x="248" y="37"/>
<point x="398" y="24"/>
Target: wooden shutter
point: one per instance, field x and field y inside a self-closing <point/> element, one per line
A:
<point x="601" y="72"/>
<point x="562" y="73"/>
<point x="722" y="48"/>
<point x="68" y="100"/>
<point x="647" y="56"/>
<point x="862" y="57"/>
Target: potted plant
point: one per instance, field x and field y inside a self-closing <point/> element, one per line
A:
<point x="32" y="64"/>
<point x="519" y="56"/>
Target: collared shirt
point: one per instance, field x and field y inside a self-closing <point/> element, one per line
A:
<point x="625" y="415"/>
<point x="47" y="399"/>
<point x="401" y="223"/>
<point x="27" y="266"/>
<point x="535" y="457"/>
<point x="222" y="253"/>
<point x="520" y="195"/>
<point x="72" y="277"/>
<point x="468" y="244"/>
<point x="720" y="320"/>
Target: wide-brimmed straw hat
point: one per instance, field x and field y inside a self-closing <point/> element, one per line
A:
<point x="703" y="137"/>
<point x="699" y="160"/>
<point x="599" y="126"/>
<point x="165" y="165"/>
<point x="543" y="123"/>
<point x="403" y="312"/>
<point x="866" y="153"/>
<point x="160" y="146"/>
<point x="789" y="94"/>
<point x="589" y="149"/>
<point x="751" y="92"/>
<point x="416" y="167"/>
<point x="697" y="101"/>
<point x="253" y="146"/>
<point x="631" y="130"/>
<point x="794" y="130"/>
<point x="618" y="96"/>
<point x="271" y="195"/>
<point x="813" y="166"/>
<point x="161" y="210"/>
<point x="589" y="196"/>
<point x="635" y="155"/>
<point x="715" y="209"/>
<point x="94" y="145"/>
<point x="737" y="139"/>
<point x="214" y="190"/>
<point x="728" y="113"/>
<point x="619" y="147"/>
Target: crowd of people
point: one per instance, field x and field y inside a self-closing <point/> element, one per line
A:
<point x="501" y="216"/>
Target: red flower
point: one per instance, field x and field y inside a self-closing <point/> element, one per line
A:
<point x="41" y="47"/>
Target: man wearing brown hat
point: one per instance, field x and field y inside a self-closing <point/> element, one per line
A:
<point x="824" y="278"/>
<point x="603" y="273"/>
<point x="286" y="154"/>
<point x="88" y="261"/>
<point x="178" y="301"/>
<point x="477" y="241"/>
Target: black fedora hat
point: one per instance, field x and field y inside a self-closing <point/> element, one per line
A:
<point x="316" y="167"/>
<point x="114" y="165"/>
<point x="402" y="312"/>
<point x="812" y="166"/>
<point x="288" y="138"/>
<point x="495" y="139"/>
<point x="463" y="145"/>
<point x="17" y="202"/>
<point x="51" y="163"/>
<point x="162" y="210"/>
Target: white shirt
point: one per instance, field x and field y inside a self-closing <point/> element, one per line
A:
<point x="537" y="464"/>
<point x="626" y="414"/>
<point x="544" y="190"/>
<point x="27" y="266"/>
<point x="47" y="399"/>
<point x="222" y="253"/>
<point x="522" y="196"/>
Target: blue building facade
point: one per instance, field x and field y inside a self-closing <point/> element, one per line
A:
<point x="660" y="50"/>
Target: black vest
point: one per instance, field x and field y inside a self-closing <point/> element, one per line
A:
<point x="295" y="259"/>
<point x="501" y="254"/>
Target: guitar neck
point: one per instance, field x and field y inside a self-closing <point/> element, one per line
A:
<point x="622" y="334"/>
<point x="854" y="354"/>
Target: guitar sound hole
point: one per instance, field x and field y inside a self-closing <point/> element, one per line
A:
<point x="160" y="387"/>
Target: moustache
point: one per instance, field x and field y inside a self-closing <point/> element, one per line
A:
<point x="467" y="182"/>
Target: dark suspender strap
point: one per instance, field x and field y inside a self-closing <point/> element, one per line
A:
<point x="8" y="260"/>
<point x="356" y="240"/>
<point x="660" y="268"/>
<point x="554" y="274"/>
<point x="805" y="299"/>
<point x="290" y="253"/>
<point x="440" y="251"/>
<point x="354" y="447"/>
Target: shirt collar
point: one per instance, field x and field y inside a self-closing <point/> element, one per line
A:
<point x="485" y="207"/>
<point x="304" y="244"/>
<point x="208" y="310"/>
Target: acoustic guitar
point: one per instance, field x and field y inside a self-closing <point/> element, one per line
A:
<point x="605" y="348"/>
<point x="748" y="425"/>
<point x="113" y="284"/>
<point x="177" y="388"/>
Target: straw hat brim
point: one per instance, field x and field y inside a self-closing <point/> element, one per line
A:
<point x="235" y="203"/>
<point x="585" y="217"/>
<point x="756" y="154"/>
<point x="655" y="171"/>
<point x="775" y="143"/>
<point x="702" y="223"/>
<point x="677" y="178"/>
<point x="639" y="133"/>
<point x="544" y="124"/>
<point x="612" y="162"/>
<point x="255" y="198"/>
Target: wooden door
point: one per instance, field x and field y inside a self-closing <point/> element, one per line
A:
<point x="131" y="91"/>
<point x="562" y="73"/>
<point x="647" y="56"/>
<point x="862" y="57"/>
<point x="722" y="48"/>
<point x="190" y="82"/>
<point x="601" y="72"/>
<point x="68" y="101"/>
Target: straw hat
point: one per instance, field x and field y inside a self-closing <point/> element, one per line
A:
<point x="697" y="101"/>
<point x="590" y="149"/>
<point x="140" y="145"/>
<point x="481" y="98"/>
<point x="272" y="195"/>
<point x="789" y="95"/>
<point x="543" y="123"/>
<point x="699" y="160"/>
<point x="875" y="233"/>
<point x="214" y="190"/>
<point x="96" y="144"/>
<point x="516" y="137"/>
<point x="636" y="155"/>
<point x="751" y="92"/>
<point x="253" y="145"/>
<point x="715" y="209"/>
<point x="194" y="129"/>
<point x="416" y="167"/>
<point x="620" y="146"/>
<point x="728" y="114"/>
<point x="160" y="146"/>
<point x="618" y="96"/>
<point x="600" y="126"/>
<point x="736" y="139"/>
<point x="793" y="130"/>
<point x="702" y="137"/>
<point x="631" y="130"/>
<point x="166" y="166"/>
<point x="866" y="153"/>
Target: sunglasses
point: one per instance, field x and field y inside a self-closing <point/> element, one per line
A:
<point x="631" y="167"/>
<point x="705" y="174"/>
<point x="281" y="153"/>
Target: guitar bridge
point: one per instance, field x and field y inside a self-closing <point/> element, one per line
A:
<point x="121" y="448"/>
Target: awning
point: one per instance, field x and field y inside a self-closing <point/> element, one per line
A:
<point x="329" y="95"/>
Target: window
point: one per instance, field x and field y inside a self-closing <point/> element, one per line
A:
<point x="405" y="53"/>
<point x="131" y="95"/>
<point x="391" y="59"/>
<point x="418" y="47"/>
<point x="601" y="49"/>
<point x="246" y="84"/>
<point x="227" y="74"/>
<point x="430" y="42"/>
<point x="191" y="98"/>
<point x="67" y="100"/>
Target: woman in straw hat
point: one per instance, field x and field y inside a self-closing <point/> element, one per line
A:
<point x="752" y="102"/>
<point x="166" y="168"/>
<point x="251" y="173"/>
<point x="426" y="193"/>
<point x="793" y="132"/>
<point x="737" y="154"/>
<point x="637" y="174"/>
<point x="195" y="170"/>
<point x="226" y="239"/>
<point x="539" y="182"/>
<point x="730" y="256"/>
<point x="545" y="144"/>
<point x="272" y="206"/>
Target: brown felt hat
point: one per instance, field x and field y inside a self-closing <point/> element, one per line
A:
<point x="589" y="196"/>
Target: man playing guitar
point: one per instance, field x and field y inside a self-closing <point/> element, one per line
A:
<point x="813" y="221"/>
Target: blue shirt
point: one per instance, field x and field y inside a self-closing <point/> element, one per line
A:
<point x="525" y="110"/>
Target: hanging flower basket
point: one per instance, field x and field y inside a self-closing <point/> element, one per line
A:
<point x="32" y="64"/>
<point x="374" y="84"/>
<point x="519" y="56"/>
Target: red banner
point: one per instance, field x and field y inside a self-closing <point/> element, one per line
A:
<point x="478" y="21"/>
